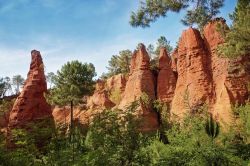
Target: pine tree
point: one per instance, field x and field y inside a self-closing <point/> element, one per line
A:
<point x="237" y="39"/>
<point x="198" y="12"/>
<point x="72" y="82"/>
<point x="119" y="63"/>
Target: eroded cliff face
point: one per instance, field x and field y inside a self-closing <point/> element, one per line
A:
<point x="31" y="104"/>
<point x="193" y="76"/>
<point x="100" y="98"/>
<point x="193" y="87"/>
<point x="206" y="78"/>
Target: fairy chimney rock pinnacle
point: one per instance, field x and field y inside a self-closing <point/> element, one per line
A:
<point x="140" y="82"/>
<point x="193" y="83"/>
<point x="140" y="59"/>
<point x="31" y="104"/>
<point x="166" y="79"/>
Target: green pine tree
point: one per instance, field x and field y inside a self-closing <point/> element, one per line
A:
<point x="237" y="38"/>
<point x="198" y="12"/>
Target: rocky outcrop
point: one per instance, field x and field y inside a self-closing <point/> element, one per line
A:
<point x="62" y="116"/>
<point x="194" y="76"/>
<point x="229" y="77"/>
<point x="141" y="82"/>
<point x="116" y="82"/>
<point x="193" y="87"/>
<point x="166" y="78"/>
<point x="100" y="98"/>
<point x="206" y="78"/>
<point x="31" y="104"/>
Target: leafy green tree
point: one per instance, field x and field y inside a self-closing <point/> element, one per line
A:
<point x="50" y="78"/>
<point x="114" y="139"/>
<point x="212" y="128"/>
<point x="189" y="145"/>
<point x="17" y="81"/>
<point x="72" y="82"/>
<point x="155" y="51"/>
<point x="198" y="12"/>
<point x="237" y="38"/>
<point x="5" y="86"/>
<point x="163" y="42"/>
<point x="119" y="63"/>
<point x="64" y="150"/>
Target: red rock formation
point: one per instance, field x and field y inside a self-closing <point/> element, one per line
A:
<point x="141" y="81"/>
<point x="31" y="104"/>
<point x="174" y="59"/>
<point x="229" y="78"/>
<point x="62" y="115"/>
<point x="205" y="77"/>
<point x="116" y="82"/>
<point x="193" y="84"/>
<point x="166" y="79"/>
<point x="100" y="98"/>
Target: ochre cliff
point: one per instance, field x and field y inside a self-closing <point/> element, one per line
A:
<point x="100" y="99"/>
<point x="206" y="78"/>
<point x="192" y="77"/>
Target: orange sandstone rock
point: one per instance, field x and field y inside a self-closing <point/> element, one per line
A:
<point x="100" y="97"/>
<point x="31" y="104"/>
<point x="193" y="87"/>
<point x="166" y="78"/>
<point x="141" y="81"/>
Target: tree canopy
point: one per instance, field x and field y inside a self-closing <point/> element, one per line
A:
<point x="5" y="85"/>
<point x="17" y="81"/>
<point x="197" y="12"/>
<point x="119" y="63"/>
<point x="237" y="38"/>
<point x="72" y="82"/>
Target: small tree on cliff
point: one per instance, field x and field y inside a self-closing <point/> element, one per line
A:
<point x="237" y="40"/>
<point x="119" y="63"/>
<point x="72" y="82"/>
<point x="198" y="12"/>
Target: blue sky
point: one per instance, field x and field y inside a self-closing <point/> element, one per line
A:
<point x="84" y="30"/>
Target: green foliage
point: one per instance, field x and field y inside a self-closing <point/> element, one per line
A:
<point x="190" y="145"/>
<point x="154" y="52"/>
<point x="67" y="149"/>
<point x="5" y="106"/>
<point x="212" y="128"/>
<point x="17" y="81"/>
<point x="242" y="114"/>
<point x="115" y="139"/>
<point x="198" y="12"/>
<point x="237" y="38"/>
<point x="5" y="85"/>
<point x="163" y="42"/>
<point x="50" y="78"/>
<point x="119" y="63"/>
<point x="72" y="82"/>
<point x="115" y="96"/>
